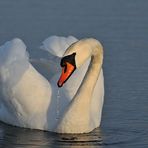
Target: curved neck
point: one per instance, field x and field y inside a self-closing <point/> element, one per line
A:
<point x="88" y="84"/>
<point x="77" y="118"/>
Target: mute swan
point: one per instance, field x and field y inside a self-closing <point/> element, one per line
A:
<point x="29" y="100"/>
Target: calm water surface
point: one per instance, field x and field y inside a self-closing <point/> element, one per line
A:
<point x="122" y="27"/>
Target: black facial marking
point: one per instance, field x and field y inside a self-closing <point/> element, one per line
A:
<point x="70" y="59"/>
<point x="65" y="68"/>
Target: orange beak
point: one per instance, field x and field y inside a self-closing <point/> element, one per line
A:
<point x="67" y="70"/>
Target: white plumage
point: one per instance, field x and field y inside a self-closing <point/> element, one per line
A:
<point x="30" y="100"/>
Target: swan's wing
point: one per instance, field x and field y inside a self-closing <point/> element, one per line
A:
<point x="23" y="90"/>
<point x="14" y="60"/>
<point x="57" y="45"/>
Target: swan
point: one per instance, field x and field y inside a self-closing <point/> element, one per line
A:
<point x="29" y="100"/>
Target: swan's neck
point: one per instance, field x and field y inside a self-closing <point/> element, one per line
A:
<point x="86" y="88"/>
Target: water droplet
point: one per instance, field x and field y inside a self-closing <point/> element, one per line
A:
<point x="58" y="105"/>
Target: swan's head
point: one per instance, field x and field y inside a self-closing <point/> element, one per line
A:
<point x="72" y="59"/>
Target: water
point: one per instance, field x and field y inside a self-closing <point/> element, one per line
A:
<point x="58" y="105"/>
<point x="121" y="26"/>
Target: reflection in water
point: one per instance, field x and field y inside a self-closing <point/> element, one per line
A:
<point x="88" y="140"/>
<point x="17" y="137"/>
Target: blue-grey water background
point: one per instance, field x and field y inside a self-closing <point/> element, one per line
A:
<point x="122" y="27"/>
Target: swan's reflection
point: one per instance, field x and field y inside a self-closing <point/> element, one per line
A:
<point x="17" y="138"/>
<point x="88" y="140"/>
